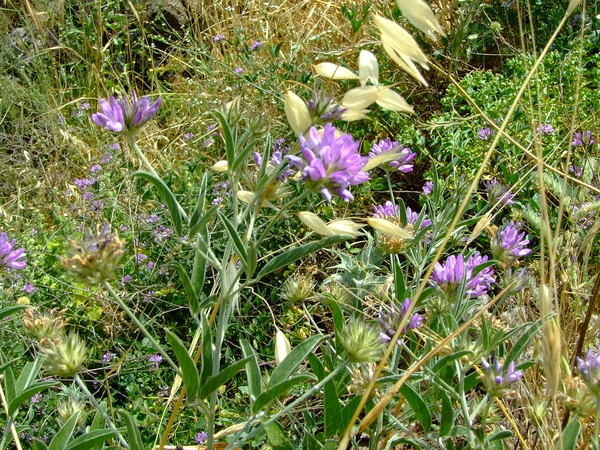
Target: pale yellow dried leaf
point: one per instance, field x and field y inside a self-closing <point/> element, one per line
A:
<point x="334" y="72"/>
<point x="345" y="226"/>
<point x="387" y="227"/>
<point x="421" y="16"/>
<point x="360" y="97"/>
<point x="368" y="68"/>
<point x="220" y="166"/>
<point x="389" y="99"/>
<point x="401" y="40"/>
<point x="315" y="223"/>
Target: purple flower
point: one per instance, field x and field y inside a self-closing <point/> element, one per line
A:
<point x="484" y="134"/>
<point x="95" y="168"/>
<point x="96" y="205"/>
<point x="545" y="128"/>
<point x="108" y="357"/>
<point x="509" y="243"/>
<point x="428" y="188"/>
<point x="105" y="159"/>
<point x="331" y="164"/>
<point x="154" y="361"/>
<point x="323" y="109"/>
<point x="29" y="288"/>
<point x="238" y="70"/>
<point x="497" y="379"/>
<point x="449" y="276"/>
<point x="152" y="218"/>
<point x="390" y="320"/>
<point x="150" y="265"/>
<point x="254" y="45"/>
<point x="583" y="138"/>
<point x="83" y="183"/>
<point x="85" y="106"/>
<point x="218" y="38"/>
<point x="400" y="163"/>
<point x="590" y="371"/>
<point x="201" y="438"/>
<point x="115" y="146"/>
<point x="498" y="192"/>
<point x="36" y="398"/>
<point x="140" y="258"/>
<point x="126" y="115"/>
<point x="386" y="211"/>
<point x="391" y="212"/>
<point x="126" y="280"/>
<point x="9" y="257"/>
<point x="188" y="136"/>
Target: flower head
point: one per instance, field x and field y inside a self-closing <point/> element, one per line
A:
<point x="428" y="187"/>
<point x="155" y="361"/>
<point x="590" y="371"/>
<point x="498" y="192"/>
<point x="126" y="116"/>
<point x="63" y="356"/>
<point x="403" y="155"/>
<point x="497" y="378"/>
<point x="49" y="326"/>
<point x="218" y="38"/>
<point x="331" y="164"/>
<point x="509" y="243"/>
<point x="545" y="128"/>
<point x="323" y="109"/>
<point x="484" y="134"/>
<point x="449" y="276"/>
<point x="390" y="320"/>
<point x="10" y="257"/>
<point x="583" y="139"/>
<point x="254" y="45"/>
<point x="361" y="342"/>
<point x="201" y="438"/>
<point x="394" y="233"/>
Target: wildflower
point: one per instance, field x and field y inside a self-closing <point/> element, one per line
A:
<point x="188" y="136"/>
<point x="331" y="164"/>
<point x="238" y="70"/>
<point x="96" y="257"/>
<point x="361" y="342"/>
<point x="115" y="146"/>
<point x="297" y="113"/>
<point x="10" y="257"/>
<point x="140" y="258"/>
<point x="484" y="134"/>
<point x="150" y="265"/>
<point x="508" y="243"/>
<point x="421" y="16"/>
<point x="49" y="326"/>
<point x="576" y="170"/>
<point x="497" y="379"/>
<point x="218" y="38"/>
<point x="201" y="438"/>
<point x="402" y="155"/>
<point x="395" y="232"/>
<point x="455" y="271"/>
<point x="545" y="128"/>
<point x="333" y="228"/>
<point x="428" y="188"/>
<point x="254" y="45"/>
<point x="498" y="192"/>
<point x="583" y="138"/>
<point x="96" y="205"/>
<point x="108" y="357"/>
<point x="153" y="218"/>
<point x="590" y="371"/>
<point x="390" y="320"/>
<point x="323" y="109"/>
<point x="83" y="183"/>
<point x="63" y="356"/>
<point x="85" y="106"/>
<point x="95" y="168"/>
<point x="29" y="288"/>
<point x="106" y="157"/>
<point x="126" y="115"/>
<point x="154" y="361"/>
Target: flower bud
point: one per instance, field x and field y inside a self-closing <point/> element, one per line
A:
<point x="220" y="166"/>
<point x="361" y="342"/>
<point x="50" y="326"/>
<point x="282" y="346"/>
<point x="63" y="357"/>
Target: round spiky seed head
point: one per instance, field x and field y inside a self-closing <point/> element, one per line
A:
<point x="361" y="342"/>
<point x="49" y="326"/>
<point x="63" y="357"/>
<point x="68" y="407"/>
<point x="298" y="288"/>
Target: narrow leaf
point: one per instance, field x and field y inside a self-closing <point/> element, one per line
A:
<point x="252" y="371"/>
<point x="418" y="406"/>
<point x="29" y="392"/>
<point x="200" y="202"/>
<point x="38" y="445"/>
<point x="570" y="434"/>
<point x="207" y="349"/>
<point x="189" y="371"/>
<point x="332" y="410"/>
<point x="200" y="262"/>
<point x="447" y="415"/>
<point x="90" y="439"/>
<point x="213" y="383"/>
<point x="522" y="342"/>
<point x="98" y="421"/>
<point x="293" y="360"/>
<point x="276" y="390"/>
<point x="235" y="238"/>
<point x="134" y="437"/>
<point x="227" y="137"/>
<point x="5" y="312"/>
<point x="59" y="442"/>
<point x="188" y="288"/>
<point x="167" y="196"/>
<point x="198" y="225"/>
<point x="28" y="375"/>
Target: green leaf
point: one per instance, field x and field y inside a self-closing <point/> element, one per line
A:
<point x="29" y="392"/>
<point x="200" y="261"/>
<point x="206" y="367"/>
<point x="277" y="437"/>
<point x="227" y="137"/>
<point x="38" y="445"/>
<point x="445" y="360"/>
<point x="213" y="383"/>
<point x="9" y="378"/>
<point x="293" y="359"/>
<point x="275" y="391"/>
<point x="5" y="312"/>
<point x="295" y="254"/>
<point x="59" y="442"/>
<point x="134" y="437"/>
<point x="167" y="196"/>
<point x="348" y="412"/>
<point x="28" y="375"/>
<point x="197" y="225"/>
<point x="418" y="406"/>
<point x="241" y="158"/>
<point x="252" y="371"/>
<point x="338" y="317"/>
<point x="399" y="281"/>
<point x="568" y="439"/>
<point x="447" y="415"/>
<point x="189" y="371"/>
<point x="98" y="421"/>
<point x="188" y="288"/>
<point x="90" y="439"/>
<point x="499" y="435"/>
<point x="200" y="202"/>
<point x="332" y="410"/>
<point x="235" y="238"/>
<point x="522" y="342"/>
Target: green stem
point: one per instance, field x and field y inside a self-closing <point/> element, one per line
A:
<point x="389" y="183"/>
<point x="105" y="416"/>
<point x="140" y="325"/>
<point x="597" y="425"/>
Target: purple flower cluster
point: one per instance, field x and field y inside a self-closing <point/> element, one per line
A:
<point x="498" y="192"/>
<point x="583" y="139"/>
<point x="449" y="276"/>
<point x="401" y="162"/>
<point x="484" y="134"/>
<point x="545" y="128"/>
<point x="155" y="361"/>
<point x="10" y="257"/>
<point x="323" y="109"/>
<point x="201" y="438"/>
<point x="510" y="243"/>
<point x="390" y="320"/>
<point x="108" y="357"/>
<point x="590" y="371"/>
<point x="428" y="188"/>
<point x="254" y="45"/>
<point x="29" y="288"/>
<point x="83" y="183"/>
<point x="218" y="38"/>
<point x="390" y="211"/>
<point x="497" y="379"/>
<point x="220" y="190"/>
<point x="331" y="164"/>
<point x="125" y="115"/>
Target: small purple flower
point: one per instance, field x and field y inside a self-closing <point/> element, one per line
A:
<point x="484" y="134"/>
<point x="391" y="212"/>
<point x="83" y="183"/>
<point x="331" y="164"/>
<point x="115" y="146"/>
<point x="449" y="276"/>
<point x="85" y="106"/>
<point x="390" y="321"/>
<point x="126" y="279"/>
<point x="150" y="265"/>
<point x="509" y="243"/>
<point x="576" y="170"/>
<point x="201" y="438"/>
<point x="254" y="45"/>
<point x="140" y="258"/>
<point x="590" y="371"/>
<point x="207" y="143"/>
<point x="583" y="139"/>
<point x="218" y="38"/>
<point x="497" y="379"/>
<point x="108" y="357"/>
<point x="106" y="157"/>
<point x="323" y="109"/>
<point x="88" y="196"/>
<point x="386" y="211"/>
<point x="154" y="361"/>
<point x="162" y="233"/>
<point x="10" y="257"/>
<point x="96" y="205"/>
<point x="188" y="136"/>
<point x="498" y="192"/>
<point x="153" y="218"/>
<point x="428" y="188"/>
<point x="404" y="155"/>
<point x="545" y="128"/>
<point x="36" y="398"/>
<point x="238" y="70"/>
<point x="95" y="168"/>
<point x="126" y="115"/>
<point x="29" y="288"/>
